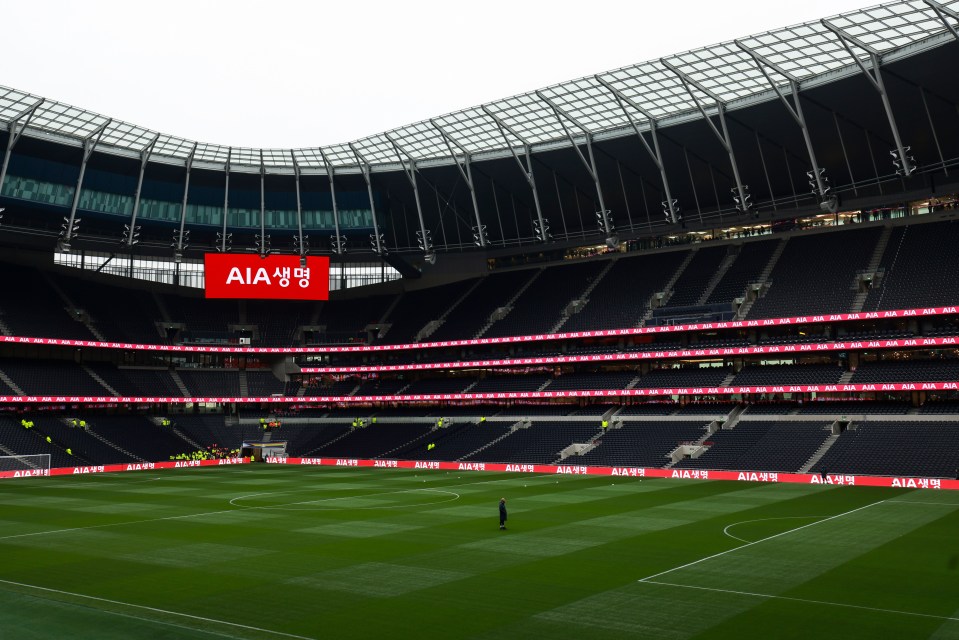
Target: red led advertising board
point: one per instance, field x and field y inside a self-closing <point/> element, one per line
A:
<point x="241" y="275"/>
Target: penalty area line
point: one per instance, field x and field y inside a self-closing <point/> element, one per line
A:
<point x="749" y="544"/>
<point x="829" y="603"/>
<point x="141" y="607"/>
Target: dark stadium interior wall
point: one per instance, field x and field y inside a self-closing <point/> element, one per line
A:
<point x="633" y="180"/>
<point x="774" y="159"/>
<point x="496" y="225"/>
<point x="447" y="207"/>
<point x="399" y="211"/>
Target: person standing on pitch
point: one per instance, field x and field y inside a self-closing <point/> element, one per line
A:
<point x="502" y="513"/>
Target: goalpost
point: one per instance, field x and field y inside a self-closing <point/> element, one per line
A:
<point x="33" y="464"/>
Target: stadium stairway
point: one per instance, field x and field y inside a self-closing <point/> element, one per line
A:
<point x="888" y="268"/>
<point x="178" y="381"/>
<point x="520" y="424"/>
<point x="75" y="312"/>
<point x="821" y="451"/>
<point x="732" y="419"/>
<point x="668" y="287"/>
<point x="93" y="374"/>
<point x="7" y="380"/>
<point x="190" y="441"/>
<point x="711" y="429"/>
<point x="9" y="452"/>
<point x="161" y="305"/>
<point x="761" y="280"/>
<point x="860" y="301"/>
<point x="583" y="298"/>
<point x="580" y="448"/>
<point x="244" y="383"/>
<point x="406" y="445"/>
<point x="328" y="442"/>
<point x="433" y="325"/>
<point x="384" y="319"/>
<point x="91" y="431"/>
<point x="733" y="253"/>
<point x="509" y="304"/>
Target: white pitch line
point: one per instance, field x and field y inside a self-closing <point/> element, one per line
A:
<point x="935" y="504"/>
<point x="285" y="506"/>
<point x="805" y="600"/>
<point x="199" y="515"/>
<point x="156" y="610"/>
<point x="120" y="524"/>
<point x="730" y="526"/>
<point x="749" y="544"/>
<point x="161" y="623"/>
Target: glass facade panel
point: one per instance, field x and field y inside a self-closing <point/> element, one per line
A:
<point x="37" y="191"/>
<point x="106" y="202"/>
<point x="160" y="210"/>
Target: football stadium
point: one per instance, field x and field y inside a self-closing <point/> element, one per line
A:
<point x="693" y="323"/>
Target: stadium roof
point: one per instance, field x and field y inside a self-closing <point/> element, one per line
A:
<point x="666" y="90"/>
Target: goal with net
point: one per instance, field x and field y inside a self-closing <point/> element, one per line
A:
<point x="26" y="465"/>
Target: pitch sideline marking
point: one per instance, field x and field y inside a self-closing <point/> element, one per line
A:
<point x="730" y="526"/>
<point x="749" y="544"/>
<point x="285" y="507"/>
<point x="291" y="504"/>
<point x="805" y="600"/>
<point x="156" y="610"/>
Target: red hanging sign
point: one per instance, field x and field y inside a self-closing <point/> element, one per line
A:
<point x="240" y="275"/>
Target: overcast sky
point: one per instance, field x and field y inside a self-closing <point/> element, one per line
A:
<point x="282" y="73"/>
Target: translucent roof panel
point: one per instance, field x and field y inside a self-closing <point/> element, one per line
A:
<point x="588" y="103"/>
<point x="727" y="71"/>
<point x="723" y="70"/>
<point x="173" y="147"/>
<point x="277" y="158"/>
<point x="127" y="136"/>
<point x="379" y="149"/>
<point x="531" y="118"/>
<point x="473" y="129"/>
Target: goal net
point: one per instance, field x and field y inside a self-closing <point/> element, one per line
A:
<point x="35" y="464"/>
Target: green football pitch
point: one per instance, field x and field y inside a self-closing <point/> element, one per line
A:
<point x="309" y="552"/>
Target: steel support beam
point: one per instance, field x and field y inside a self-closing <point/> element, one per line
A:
<point x="264" y="244"/>
<point x="425" y="242"/>
<point x="339" y="246"/>
<point x="932" y="127"/>
<point x="943" y="11"/>
<point x="670" y="206"/>
<point x="377" y="239"/>
<point x="179" y="241"/>
<point x="16" y="129"/>
<point x="467" y="174"/>
<point x="590" y="164"/>
<point x="223" y="247"/>
<point x="301" y="247"/>
<point x="542" y="223"/>
<point x="130" y="239"/>
<point x="816" y="174"/>
<point x="906" y="165"/>
<point x="70" y="226"/>
<point x="723" y="136"/>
